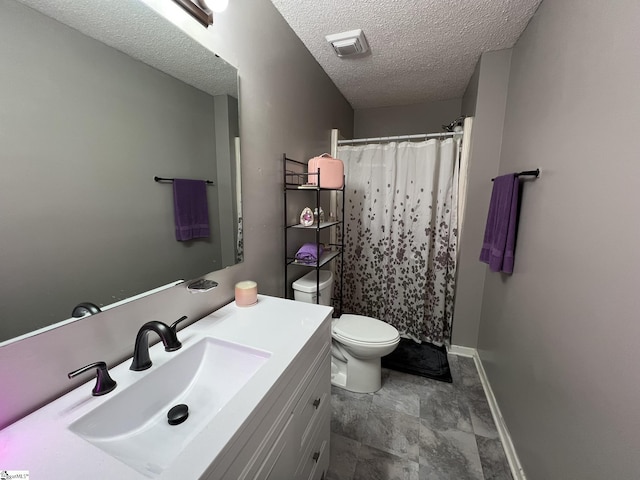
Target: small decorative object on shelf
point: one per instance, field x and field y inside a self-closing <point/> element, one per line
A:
<point x="306" y="217"/>
<point x="318" y="218"/>
<point x="332" y="172"/>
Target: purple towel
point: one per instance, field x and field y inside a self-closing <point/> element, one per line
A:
<point x="309" y="253"/>
<point x="191" y="209"/>
<point x="500" y="233"/>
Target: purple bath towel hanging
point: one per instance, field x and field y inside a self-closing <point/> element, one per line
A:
<point x="191" y="209"/>
<point x="498" y="248"/>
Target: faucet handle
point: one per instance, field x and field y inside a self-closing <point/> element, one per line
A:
<point x="174" y="325"/>
<point x="104" y="382"/>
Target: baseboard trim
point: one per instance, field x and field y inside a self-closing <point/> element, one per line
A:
<point x="503" y="432"/>
<point x="462" y="351"/>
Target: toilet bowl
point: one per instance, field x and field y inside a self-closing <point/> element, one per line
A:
<point x="358" y="342"/>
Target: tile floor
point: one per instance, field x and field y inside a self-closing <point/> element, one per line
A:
<point x="414" y="428"/>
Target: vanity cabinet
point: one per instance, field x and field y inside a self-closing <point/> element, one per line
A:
<point x="274" y="355"/>
<point x="287" y="437"/>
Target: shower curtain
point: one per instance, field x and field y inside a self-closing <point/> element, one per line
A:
<point x="401" y="235"/>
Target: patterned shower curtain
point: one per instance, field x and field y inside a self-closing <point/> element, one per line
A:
<point x="401" y="235"/>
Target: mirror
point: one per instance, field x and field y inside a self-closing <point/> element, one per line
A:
<point x="84" y="128"/>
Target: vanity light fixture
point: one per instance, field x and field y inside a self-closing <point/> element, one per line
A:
<point x="202" y="11"/>
<point x="218" y="5"/>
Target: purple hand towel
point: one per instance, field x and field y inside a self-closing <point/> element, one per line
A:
<point x="191" y="209"/>
<point x="500" y="233"/>
<point x="309" y="253"/>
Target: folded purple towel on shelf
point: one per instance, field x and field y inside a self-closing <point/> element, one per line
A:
<point x="309" y="253"/>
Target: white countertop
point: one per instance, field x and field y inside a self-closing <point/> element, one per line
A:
<point x="42" y="444"/>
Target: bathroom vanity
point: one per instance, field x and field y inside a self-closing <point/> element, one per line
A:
<point x="256" y="381"/>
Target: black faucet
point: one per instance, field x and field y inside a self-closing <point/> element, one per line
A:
<point x="168" y="335"/>
<point x="85" y="308"/>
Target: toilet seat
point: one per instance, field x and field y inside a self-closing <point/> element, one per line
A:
<point x="361" y="330"/>
<point x="356" y="343"/>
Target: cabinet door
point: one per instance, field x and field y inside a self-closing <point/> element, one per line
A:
<point x="280" y="462"/>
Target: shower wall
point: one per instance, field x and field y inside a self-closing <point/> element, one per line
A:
<point x="406" y="119"/>
<point x="485" y="99"/>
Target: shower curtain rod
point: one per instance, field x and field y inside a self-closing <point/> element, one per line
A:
<point x="399" y="138"/>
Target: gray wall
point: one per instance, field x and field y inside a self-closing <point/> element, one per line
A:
<point x="226" y="113"/>
<point x="84" y="128"/>
<point x="469" y="99"/>
<point x="489" y="87"/>
<point x="406" y="119"/>
<point x="559" y="338"/>
<point x="287" y="105"/>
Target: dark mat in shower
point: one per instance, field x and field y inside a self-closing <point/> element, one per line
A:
<point x="424" y="359"/>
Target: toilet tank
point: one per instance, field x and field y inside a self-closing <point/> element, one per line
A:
<point x="304" y="289"/>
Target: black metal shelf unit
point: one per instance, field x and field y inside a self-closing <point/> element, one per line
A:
<point x="298" y="180"/>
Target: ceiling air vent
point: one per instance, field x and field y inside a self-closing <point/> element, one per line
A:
<point x="348" y="43"/>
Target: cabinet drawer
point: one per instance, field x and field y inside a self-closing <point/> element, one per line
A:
<point x="313" y="402"/>
<point x="315" y="460"/>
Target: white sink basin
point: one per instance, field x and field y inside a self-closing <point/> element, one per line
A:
<point x="132" y="424"/>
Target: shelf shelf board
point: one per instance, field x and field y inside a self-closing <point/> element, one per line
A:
<point x="325" y="258"/>
<point x="314" y="227"/>
<point x="295" y="186"/>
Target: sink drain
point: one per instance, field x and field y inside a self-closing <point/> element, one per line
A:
<point x="178" y="414"/>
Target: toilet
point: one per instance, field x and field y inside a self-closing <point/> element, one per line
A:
<point x="358" y="343"/>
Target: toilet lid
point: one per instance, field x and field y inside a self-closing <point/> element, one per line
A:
<point x="364" y="329"/>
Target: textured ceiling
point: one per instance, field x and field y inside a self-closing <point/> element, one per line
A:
<point x="133" y="28"/>
<point x="421" y="50"/>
